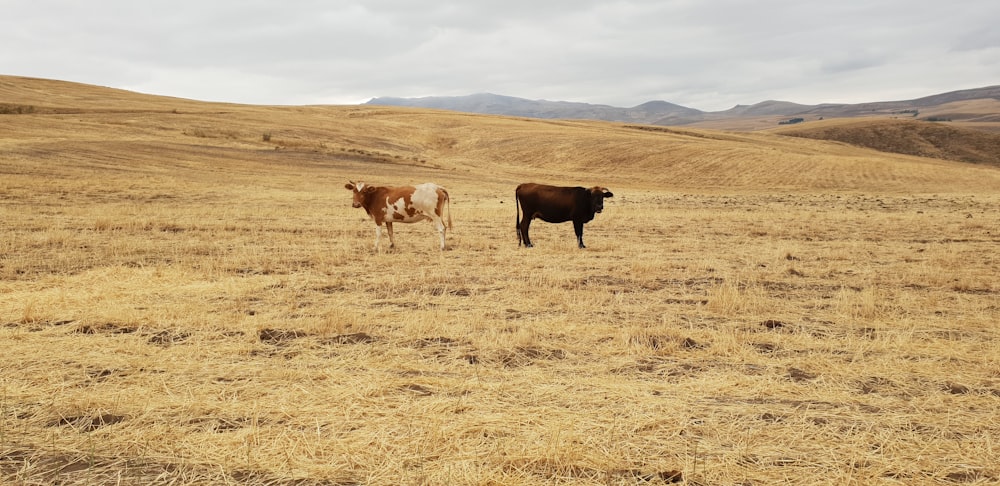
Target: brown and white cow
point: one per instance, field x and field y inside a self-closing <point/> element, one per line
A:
<point x="406" y="204"/>
<point x="557" y="205"/>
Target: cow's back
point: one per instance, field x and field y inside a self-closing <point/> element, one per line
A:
<point x="426" y="196"/>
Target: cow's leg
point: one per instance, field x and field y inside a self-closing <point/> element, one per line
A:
<point x="525" y="223"/>
<point x="578" y="228"/>
<point x="388" y="228"/>
<point x="439" y="224"/>
<point x="378" y="236"/>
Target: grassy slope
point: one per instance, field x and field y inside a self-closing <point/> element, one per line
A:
<point x="571" y="152"/>
<point x="936" y="140"/>
<point x="981" y="115"/>
<point x="185" y="302"/>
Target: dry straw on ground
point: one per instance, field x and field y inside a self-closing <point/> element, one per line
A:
<point x="185" y="302"/>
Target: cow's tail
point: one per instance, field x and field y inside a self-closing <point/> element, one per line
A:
<point x="517" y="217"/>
<point x="447" y="200"/>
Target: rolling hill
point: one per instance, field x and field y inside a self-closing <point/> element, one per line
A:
<point x="68" y="123"/>
<point x="936" y="140"/>
<point x="980" y="107"/>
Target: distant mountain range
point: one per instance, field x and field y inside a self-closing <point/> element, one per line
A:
<point x="666" y="113"/>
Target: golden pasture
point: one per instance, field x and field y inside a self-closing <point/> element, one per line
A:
<point x="187" y="297"/>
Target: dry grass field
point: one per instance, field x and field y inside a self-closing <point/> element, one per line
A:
<point x="187" y="297"/>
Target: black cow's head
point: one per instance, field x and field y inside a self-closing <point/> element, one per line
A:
<point x="597" y="195"/>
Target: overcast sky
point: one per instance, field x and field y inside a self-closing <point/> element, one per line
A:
<point x="708" y="54"/>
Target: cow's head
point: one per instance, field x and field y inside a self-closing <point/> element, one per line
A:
<point x="360" y="189"/>
<point x="597" y="195"/>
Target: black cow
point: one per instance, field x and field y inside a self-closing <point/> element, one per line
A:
<point x="557" y="205"/>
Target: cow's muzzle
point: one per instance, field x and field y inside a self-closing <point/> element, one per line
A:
<point x="356" y="205"/>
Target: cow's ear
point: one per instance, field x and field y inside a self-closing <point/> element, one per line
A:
<point x="349" y="186"/>
<point x="368" y="189"/>
<point x="608" y="193"/>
